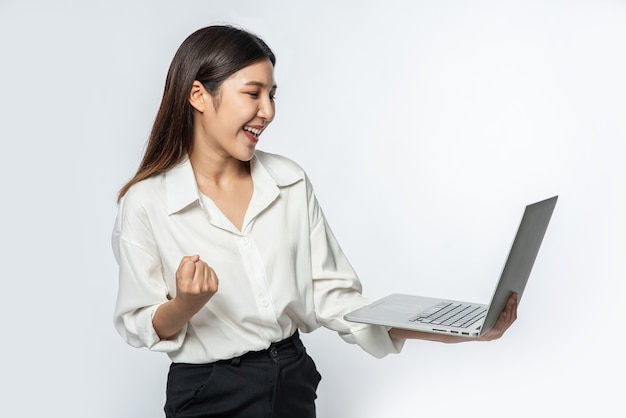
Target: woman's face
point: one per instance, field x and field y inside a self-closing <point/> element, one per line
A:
<point x="231" y="123"/>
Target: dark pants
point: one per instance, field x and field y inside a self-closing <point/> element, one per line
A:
<point x="279" y="382"/>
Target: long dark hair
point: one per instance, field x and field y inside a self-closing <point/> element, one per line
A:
<point x="209" y="55"/>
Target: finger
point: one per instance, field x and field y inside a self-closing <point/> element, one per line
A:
<point x="205" y="278"/>
<point x="210" y="279"/>
<point x="213" y="280"/>
<point x="515" y="304"/>
<point x="185" y="259"/>
<point x="511" y="309"/>
<point x="187" y="270"/>
<point x="508" y="315"/>
<point x="199" y="276"/>
<point x="505" y="319"/>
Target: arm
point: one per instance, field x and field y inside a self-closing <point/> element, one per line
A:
<point x="196" y="283"/>
<point x="337" y="289"/>
<point x="505" y="320"/>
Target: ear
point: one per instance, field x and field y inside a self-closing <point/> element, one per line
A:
<point x="198" y="96"/>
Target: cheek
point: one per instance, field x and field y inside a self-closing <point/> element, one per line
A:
<point x="239" y="113"/>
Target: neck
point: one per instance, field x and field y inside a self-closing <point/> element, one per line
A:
<point x="217" y="170"/>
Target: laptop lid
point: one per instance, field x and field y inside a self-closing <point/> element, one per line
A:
<point x="521" y="258"/>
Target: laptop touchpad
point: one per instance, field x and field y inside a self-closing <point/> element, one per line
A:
<point x="402" y="308"/>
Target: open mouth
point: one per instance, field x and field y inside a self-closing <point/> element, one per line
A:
<point x="252" y="132"/>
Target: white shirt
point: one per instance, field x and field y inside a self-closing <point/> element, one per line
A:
<point x="283" y="271"/>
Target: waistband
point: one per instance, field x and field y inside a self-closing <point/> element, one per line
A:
<point x="287" y="348"/>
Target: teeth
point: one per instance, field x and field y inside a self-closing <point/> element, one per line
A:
<point x="255" y="131"/>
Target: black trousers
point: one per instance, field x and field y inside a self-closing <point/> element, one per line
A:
<point x="279" y="382"/>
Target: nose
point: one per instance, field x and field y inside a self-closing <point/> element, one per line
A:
<point x="266" y="111"/>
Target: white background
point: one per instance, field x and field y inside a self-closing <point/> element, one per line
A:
<point x="425" y="127"/>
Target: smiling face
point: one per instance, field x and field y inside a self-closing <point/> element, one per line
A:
<point x="229" y="125"/>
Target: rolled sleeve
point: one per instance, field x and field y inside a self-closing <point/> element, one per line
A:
<point x="148" y="336"/>
<point x="142" y="288"/>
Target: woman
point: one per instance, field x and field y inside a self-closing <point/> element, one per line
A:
<point x="205" y="204"/>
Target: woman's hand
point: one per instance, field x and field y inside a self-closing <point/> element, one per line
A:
<point x="505" y="320"/>
<point x="196" y="283"/>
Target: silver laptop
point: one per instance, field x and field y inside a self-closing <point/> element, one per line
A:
<point x="462" y="318"/>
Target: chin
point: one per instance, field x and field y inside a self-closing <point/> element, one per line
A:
<point x="245" y="156"/>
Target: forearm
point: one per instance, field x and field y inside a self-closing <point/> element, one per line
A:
<point x="170" y="318"/>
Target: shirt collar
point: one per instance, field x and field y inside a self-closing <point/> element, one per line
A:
<point x="180" y="185"/>
<point x="182" y="190"/>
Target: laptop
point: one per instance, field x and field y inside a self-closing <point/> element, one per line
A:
<point x="466" y="319"/>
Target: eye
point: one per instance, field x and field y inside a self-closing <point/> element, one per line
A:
<point x="253" y="94"/>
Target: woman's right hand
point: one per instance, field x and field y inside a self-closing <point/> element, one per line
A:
<point x="196" y="283"/>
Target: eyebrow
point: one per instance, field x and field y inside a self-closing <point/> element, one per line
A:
<point x="259" y="84"/>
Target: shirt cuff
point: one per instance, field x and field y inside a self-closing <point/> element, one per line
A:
<point x="151" y="339"/>
<point x="375" y="340"/>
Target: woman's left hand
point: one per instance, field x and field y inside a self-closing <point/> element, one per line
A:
<point x="505" y="320"/>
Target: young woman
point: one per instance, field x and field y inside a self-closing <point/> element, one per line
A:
<point x="223" y="250"/>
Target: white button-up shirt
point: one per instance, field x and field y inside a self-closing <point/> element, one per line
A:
<point x="283" y="271"/>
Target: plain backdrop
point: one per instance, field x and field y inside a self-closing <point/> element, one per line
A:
<point x="425" y="126"/>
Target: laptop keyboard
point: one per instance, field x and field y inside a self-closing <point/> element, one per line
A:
<point x="451" y="314"/>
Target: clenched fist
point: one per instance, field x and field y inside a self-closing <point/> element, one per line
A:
<point x="196" y="282"/>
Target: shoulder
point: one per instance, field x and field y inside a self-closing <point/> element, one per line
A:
<point x="144" y="191"/>
<point x="143" y="198"/>
<point x="270" y="160"/>
<point x="284" y="170"/>
<point x="170" y="191"/>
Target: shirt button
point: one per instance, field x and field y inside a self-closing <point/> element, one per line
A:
<point x="245" y="240"/>
<point x="265" y="303"/>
